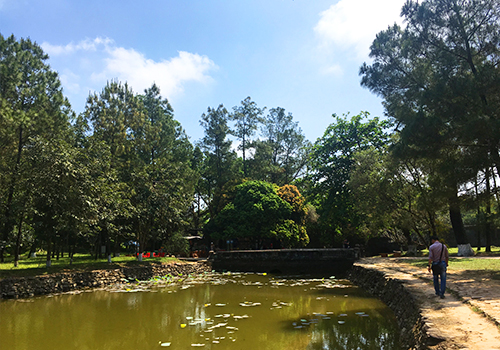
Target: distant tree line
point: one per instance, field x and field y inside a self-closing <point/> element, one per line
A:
<point x="125" y="171"/>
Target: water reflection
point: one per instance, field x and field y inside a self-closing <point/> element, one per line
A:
<point x="213" y="311"/>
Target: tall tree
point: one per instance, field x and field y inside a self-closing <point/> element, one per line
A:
<point x="150" y="156"/>
<point x="282" y="155"/>
<point x="396" y="197"/>
<point x="58" y="191"/>
<point x="164" y="180"/>
<point x="117" y="119"/>
<point x="332" y="161"/>
<point x="220" y="160"/>
<point x="246" y="118"/>
<point x="198" y="205"/>
<point x="31" y="105"/>
<point x="440" y="80"/>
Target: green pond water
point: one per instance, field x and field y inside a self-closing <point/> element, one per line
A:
<point x="211" y="311"/>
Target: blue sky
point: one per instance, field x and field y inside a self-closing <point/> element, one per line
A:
<point x="301" y="55"/>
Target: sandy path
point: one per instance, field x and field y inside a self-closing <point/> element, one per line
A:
<point x="451" y="322"/>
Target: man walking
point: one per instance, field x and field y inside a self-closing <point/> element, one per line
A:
<point x="438" y="261"/>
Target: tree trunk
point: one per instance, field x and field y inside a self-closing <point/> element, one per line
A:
<point x="8" y="224"/>
<point x="49" y="252"/>
<point x="407" y="234"/>
<point x="487" y="228"/>
<point x="243" y="156"/>
<point x="108" y="245"/>
<point x="432" y="222"/>
<point x="456" y="220"/>
<point x="32" y="252"/>
<point x="478" y="229"/>
<point x="18" y="241"/>
<point x="478" y="216"/>
<point x="419" y="234"/>
<point x="96" y="249"/>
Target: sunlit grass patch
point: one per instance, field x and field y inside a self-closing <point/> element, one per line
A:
<point x="453" y="251"/>
<point x="473" y="263"/>
<point x="37" y="265"/>
<point x="460" y="264"/>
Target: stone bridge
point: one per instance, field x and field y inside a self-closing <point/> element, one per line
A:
<point x="286" y="261"/>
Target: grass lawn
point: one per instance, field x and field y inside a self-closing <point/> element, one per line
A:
<point x="453" y="251"/>
<point x="480" y="266"/>
<point x="458" y="264"/>
<point x="36" y="266"/>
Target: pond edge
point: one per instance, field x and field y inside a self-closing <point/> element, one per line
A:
<point x="26" y="287"/>
<point x="405" y="306"/>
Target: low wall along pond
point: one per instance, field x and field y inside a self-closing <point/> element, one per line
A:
<point x="23" y="287"/>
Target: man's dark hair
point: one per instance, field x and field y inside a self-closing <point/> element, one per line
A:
<point x="435" y="238"/>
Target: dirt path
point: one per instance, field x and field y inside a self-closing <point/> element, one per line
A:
<point x="452" y="323"/>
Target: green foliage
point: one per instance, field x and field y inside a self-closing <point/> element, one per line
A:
<point x="395" y="197"/>
<point x="220" y="165"/>
<point x="439" y="78"/>
<point x="281" y="156"/>
<point x="32" y="108"/>
<point x="58" y="189"/>
<point x="149" y="164"/>
<point x="164" y="178"/>
<point x="332" y="162"/>
<point x="258" y="212"/>
<point x="253" y="213"/>
<point x="176" y="244"/>
<point x="246" y="118"/>
<point x="290" y="234"/>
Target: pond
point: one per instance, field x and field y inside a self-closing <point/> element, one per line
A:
<point x="210" y="311"/>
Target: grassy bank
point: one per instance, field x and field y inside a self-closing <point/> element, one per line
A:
<point x="460" y="264"/>
<point x="37" y="266"/>
<point x="495" y="251"/>
<point x="488" y="267"/>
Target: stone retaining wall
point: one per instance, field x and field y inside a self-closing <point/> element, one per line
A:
<point x="23" y="287"/>
<point x="399" y="299"/>
<point x="295" y="261"/>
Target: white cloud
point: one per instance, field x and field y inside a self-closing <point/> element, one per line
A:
<point x="353" y="24"/>
<point x="140" y="72"/>
<point x="87" y="66"/>
<point x="84" y="45"/>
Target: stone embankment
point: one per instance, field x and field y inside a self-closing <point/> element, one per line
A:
<point x="399" y="299"/>
<point x="23" y="287"/>
<point x="286" y="261"/>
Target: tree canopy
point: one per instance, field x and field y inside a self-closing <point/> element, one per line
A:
<point x="261" y="210"/>
<point x="332" y="161"/>
<point x="124" y="172"/>
<point x="439" y="78"/>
